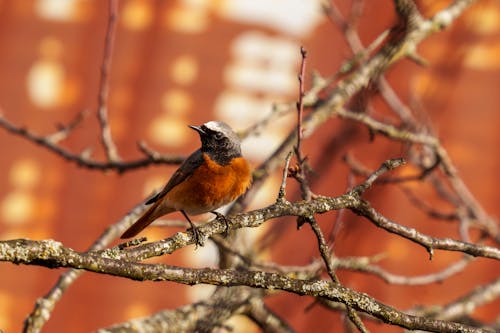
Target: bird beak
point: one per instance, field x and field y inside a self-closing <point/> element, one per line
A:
<point x="197" y="129"/>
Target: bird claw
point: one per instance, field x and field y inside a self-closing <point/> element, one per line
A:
<point x="226" y="223"/>
<point x="198" y="236"/>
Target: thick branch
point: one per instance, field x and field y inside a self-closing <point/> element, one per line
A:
<point x="45" y="305"/>
<point x="28" y="252"/>
<point x="53" y="254"/>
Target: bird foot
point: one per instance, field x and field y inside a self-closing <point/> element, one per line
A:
<point x="198" y="236"/>
<point x="226" y="222"/>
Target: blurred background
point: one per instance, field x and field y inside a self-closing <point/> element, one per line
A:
<point x="186" y="62"/>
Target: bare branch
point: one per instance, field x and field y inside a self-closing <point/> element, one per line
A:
<point x="82" y="160"/>
<point x="266" y="319"/>
<point x="394" y="279"/>
<point x="102" y="108"/>
<point x="430" y="243"/>
<point x="65" y="130"/>
<point x="53" y="254"/>
<point x="465" y="305"/>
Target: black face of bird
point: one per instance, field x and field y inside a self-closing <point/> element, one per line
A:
<point x="219" y="141"/>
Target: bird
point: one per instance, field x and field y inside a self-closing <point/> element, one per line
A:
<point x="211" y="177"/>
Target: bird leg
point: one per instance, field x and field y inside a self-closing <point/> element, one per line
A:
<point x="196" y="233"/>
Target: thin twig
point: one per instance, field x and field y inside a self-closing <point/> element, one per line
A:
<point x="266" y="319"/>
<point x="359" y="169"/>
<point x="65" y="130"/>
<point x="466" y="304"/>
<point x="427" y="208"/>
<point x="102" y="108"/>
<point x="299" y="172"/>
<point x="282" y="191"/>
<point x="277" y="111"/>
<point x="83" y="160"/>
<point x="324" y="249"/>
<point x="386" y="166"/>
<point x="300" y="103"/>
<point x="300" y="175"/>
<point x="356" y="320"/>
<point x="394" y="279"/>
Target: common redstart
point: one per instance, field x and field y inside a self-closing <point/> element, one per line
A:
<point x="209" y="178"/>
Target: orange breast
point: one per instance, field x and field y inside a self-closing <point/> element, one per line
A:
<point x="210" y="186"/>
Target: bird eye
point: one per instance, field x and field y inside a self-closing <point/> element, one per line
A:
<point x="218" y="135"/>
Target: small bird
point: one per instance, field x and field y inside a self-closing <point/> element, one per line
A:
<point x="209" y="178"/>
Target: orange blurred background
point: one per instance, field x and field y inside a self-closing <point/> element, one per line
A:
<point x="189" y="61"/>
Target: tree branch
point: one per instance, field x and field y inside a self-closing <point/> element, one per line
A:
<point x="83" y="160"/>
<point x="102" y="109"/>
<point x="52" y="254"/>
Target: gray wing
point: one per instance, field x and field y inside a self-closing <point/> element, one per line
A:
<point x="186" y="169"/>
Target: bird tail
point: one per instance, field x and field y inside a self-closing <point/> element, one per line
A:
<point x="149" y="216"/>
